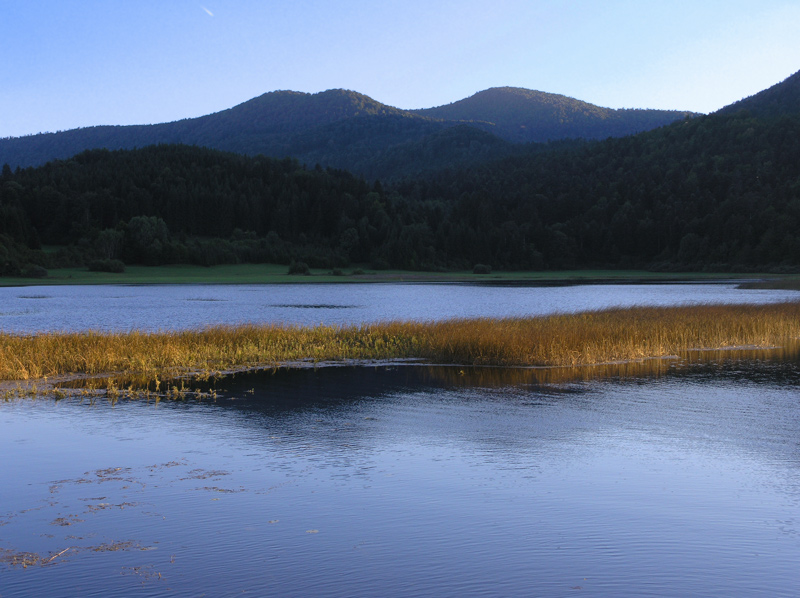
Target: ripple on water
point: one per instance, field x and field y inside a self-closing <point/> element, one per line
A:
<point x="330" y="482"/>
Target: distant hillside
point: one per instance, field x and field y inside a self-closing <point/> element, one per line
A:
<point x="458" y="146"/>
<point x="522" y="115"/>
<point x="349" y="130"/>
<point x="780" y="99"/>
<point x="717" y="192"/>
<point x="272" y="124"/>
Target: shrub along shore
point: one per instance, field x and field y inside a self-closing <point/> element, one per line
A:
<point x="596" y="337"/>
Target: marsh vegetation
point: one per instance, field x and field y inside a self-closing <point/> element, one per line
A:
<point x="594" y="337"/>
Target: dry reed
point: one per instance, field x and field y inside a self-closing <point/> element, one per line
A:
<point x="558" y="340"/>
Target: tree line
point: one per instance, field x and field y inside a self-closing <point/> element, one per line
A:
<point x="720" y="192"/>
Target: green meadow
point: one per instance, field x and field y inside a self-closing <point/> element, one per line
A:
<point x="277" y="273"/>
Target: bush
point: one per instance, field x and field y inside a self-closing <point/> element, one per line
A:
<point x="299" y="268"/>
<point x="115" y="266"/>
<point x="33" y="271"/>
<point x="482" y="269"/>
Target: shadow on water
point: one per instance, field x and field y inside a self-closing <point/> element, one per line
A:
<point x="288" y="389"/>
<point x="723" y="363"/>
<point x="330" y="385"/>
<point x="650" y="474"/>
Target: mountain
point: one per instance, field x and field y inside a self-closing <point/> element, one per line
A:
<point x="270" y="124"/>
<point x="522" y="115"/>
<point x="778" y="100"/>
<point x="349" y="130"/>
<point x="719" y="192"/>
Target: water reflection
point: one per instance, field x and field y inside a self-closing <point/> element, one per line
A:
<point x="716" y="360"/>
<point x="414" y="481"/>
<point x="355" y="380"/>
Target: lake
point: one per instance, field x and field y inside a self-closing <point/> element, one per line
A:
<point x="406" y="480"/>
<point x="171" y="307"/>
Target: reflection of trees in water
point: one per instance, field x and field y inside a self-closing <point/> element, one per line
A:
<point x="351" y="382"/>
<point x="491" y="377"/>
<point x="687" y="362"/>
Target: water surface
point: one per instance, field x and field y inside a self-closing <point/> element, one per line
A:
<point x="171" y="307"/>
<point x="678" y="479"/>
<point x="413" y="482"/>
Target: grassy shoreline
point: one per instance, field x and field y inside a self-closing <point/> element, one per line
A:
<point x="781" y="284"/>
<point x="277" y="274"/>
<point x="596" y="337"/>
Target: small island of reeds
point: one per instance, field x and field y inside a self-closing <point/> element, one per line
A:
<point x="594" y="337"/>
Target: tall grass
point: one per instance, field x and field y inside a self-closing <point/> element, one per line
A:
<point x="559" y="340"/>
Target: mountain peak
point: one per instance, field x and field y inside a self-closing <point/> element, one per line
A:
<point x="521" y="92"/>
<point x="524" y="115"/>
<point x="348" y="129"/>
<point x="276" y="110"/>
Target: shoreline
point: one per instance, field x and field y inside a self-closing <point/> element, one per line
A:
<point x="113" y="384"/>
<point x="277" y="274"/>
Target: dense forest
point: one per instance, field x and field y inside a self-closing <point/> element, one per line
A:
<point x="178" y="204"/>
<point x="720" y="192"/>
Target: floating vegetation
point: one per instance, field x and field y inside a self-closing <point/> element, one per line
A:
<point x="113" y="389"/>
<point x="28" y="559"/>
<point x="15" y="558"/>
<point x="158" y="365"/>
<point x="86" y="502"/>
<point x="203" y="474"/>
<point x="66" y="521"/>
<point x="117" y="546"/>
<point x="146" y="572"/>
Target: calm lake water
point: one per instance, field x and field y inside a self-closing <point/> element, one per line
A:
<point x="402" y="481"/>
<point x="163" y="307"/>
<point x="398" y="482"/>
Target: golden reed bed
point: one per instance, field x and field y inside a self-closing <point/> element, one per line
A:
<point x="595" y="337"/>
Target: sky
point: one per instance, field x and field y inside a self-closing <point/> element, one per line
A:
<point x="77" y="63"/>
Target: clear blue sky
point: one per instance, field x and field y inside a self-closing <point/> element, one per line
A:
<point x="71" y="63"/>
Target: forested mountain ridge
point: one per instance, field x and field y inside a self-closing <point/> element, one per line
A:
<point x="523" y="115"/>
<point x="718" y="192"/>
<point x="781" y="99"/>
<point x="265" y="124"/>
<point x="346" y="129"/>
